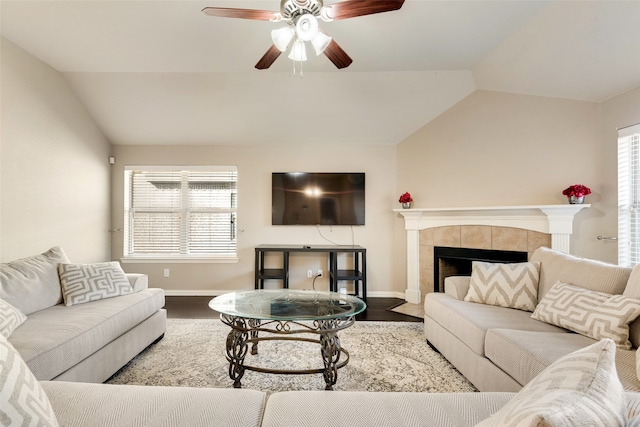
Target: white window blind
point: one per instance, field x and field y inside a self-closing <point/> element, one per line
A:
<point x="180" y="212"/>
<point x="629" y="196"/>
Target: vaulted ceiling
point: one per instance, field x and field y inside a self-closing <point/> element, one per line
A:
<point x="162" y="72"/>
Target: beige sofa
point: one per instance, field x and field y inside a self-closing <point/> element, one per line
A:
<point x="79" y="354"/>
<point x="83" y="342"/>
<point x="501" y="349"/>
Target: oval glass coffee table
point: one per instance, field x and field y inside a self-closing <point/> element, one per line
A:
<point x="286" y="314"/>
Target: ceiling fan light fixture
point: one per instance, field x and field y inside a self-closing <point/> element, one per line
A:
<point x="282" y="37"/>
<point x="306" y="27"/>
<point x="298" y="52"/>
<point x="320" y="42"/>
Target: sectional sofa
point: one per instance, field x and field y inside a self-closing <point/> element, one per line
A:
<point x="63" y="342"/>
<point x="85" y="330"/>
<point x="499" y="348"/>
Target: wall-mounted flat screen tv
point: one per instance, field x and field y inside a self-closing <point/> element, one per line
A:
<point x="317" y="198"/>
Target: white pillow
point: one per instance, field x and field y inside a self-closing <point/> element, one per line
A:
<point x="579" y="389"/>
<point x="505" y="285"/>
<point x="594" y="314"/>
<point x="22" y="399"/>
<point x="89" y="282"/>
<point x="10" y="318"/>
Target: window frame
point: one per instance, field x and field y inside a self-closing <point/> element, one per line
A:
<point x="629" y="196"/>
<point x="230" y="257"/>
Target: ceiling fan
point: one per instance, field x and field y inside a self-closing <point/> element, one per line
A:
<point x="301" y="17"/>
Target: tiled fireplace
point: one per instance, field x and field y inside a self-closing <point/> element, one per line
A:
<point x="513" y="229"/>
<point x="448" y="261"/>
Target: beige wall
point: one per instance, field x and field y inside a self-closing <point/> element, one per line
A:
<point x="494" y="149"/>
<point x="255" y="164"/>
<point x="54" y="165"/>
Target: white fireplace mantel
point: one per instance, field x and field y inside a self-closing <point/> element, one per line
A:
<point x="556" y="220"/>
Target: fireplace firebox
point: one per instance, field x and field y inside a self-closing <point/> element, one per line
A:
<point x="457" y="261"/>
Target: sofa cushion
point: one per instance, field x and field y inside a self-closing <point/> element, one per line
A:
<point x="505" y="285"/>
<point x="524" y="354"/>
<point x="594" y="314"/>
<point x="102" y="405"/>
<point x="53" y="340"/>
<point x="589" y="274"/>
<point x="23" y="402"/>
<point x="32" y="284"/>
<point x="579" y="389"/>
<point x="470" y="322"/>
<point x="90" y="282"/>
<point x="627" y="370"/>
<point x="10" y="318"/>
<point x="633" y="290"/>
<point x="350" y="408"/>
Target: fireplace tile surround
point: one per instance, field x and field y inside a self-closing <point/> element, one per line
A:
<point x="473" y="237"/>
<point x="513" y="228"/>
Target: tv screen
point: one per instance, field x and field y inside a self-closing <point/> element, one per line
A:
<point x="317" y="198"/>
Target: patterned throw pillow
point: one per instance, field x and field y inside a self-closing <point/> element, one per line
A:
<point x="10" y="318"/>
<point x="505" y="285"/>
<point x="594" y="314"/>
<point x="22" y="399"/>
<point x="579" y="389"/>
<point x="89" y="282"/>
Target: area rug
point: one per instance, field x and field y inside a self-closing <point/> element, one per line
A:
<point x="385" y="356"/>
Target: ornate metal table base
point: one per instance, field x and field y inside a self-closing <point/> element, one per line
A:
<point x="245" y="331"/>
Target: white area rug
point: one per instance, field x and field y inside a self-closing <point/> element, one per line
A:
<point x="385" y="356"/>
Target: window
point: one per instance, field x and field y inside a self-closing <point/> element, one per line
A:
<point x="629" y="196"/>
<point x="180" y="213"/>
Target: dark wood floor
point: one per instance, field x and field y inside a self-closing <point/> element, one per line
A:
<point x="378" y="309"/>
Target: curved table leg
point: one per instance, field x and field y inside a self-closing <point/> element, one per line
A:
<point x="330" y="349"/>
<point x="237" y="350"/>
<point x="253" y="324"/>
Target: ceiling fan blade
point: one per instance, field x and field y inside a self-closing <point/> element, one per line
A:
<point x="338" y="56"/>
<point x="353" y="8"/>
<point x="268" y="58"/>
<point x="226" y="12"/>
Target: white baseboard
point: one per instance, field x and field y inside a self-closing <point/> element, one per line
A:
<point x="214" y="293"/>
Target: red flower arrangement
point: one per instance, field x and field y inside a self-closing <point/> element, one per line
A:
<point x="577" y="190"/>
<point x="405" y="198"/>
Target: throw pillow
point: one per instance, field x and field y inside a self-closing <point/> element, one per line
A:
<point x="579" y="389"/>
<point x="89" y="282"/>
<point x="10" y="318"/>
<point x="22" y="399"/>
<point x="594" y="314"/>
<point x="32" y="284"/>
<point x="505" y="285"/>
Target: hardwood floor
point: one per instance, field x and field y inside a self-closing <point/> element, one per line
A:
<point x="378" y="309"/>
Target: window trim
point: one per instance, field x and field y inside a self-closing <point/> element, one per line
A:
<point x="628" y="197"/>
<point x="176" y="258"/>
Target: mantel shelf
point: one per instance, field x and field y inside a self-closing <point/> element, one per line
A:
<point x="493" y="210"/>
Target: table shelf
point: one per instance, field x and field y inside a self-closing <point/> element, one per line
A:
<point x="358" y="274"/>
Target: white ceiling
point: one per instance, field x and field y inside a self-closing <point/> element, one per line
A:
<point x="162" y="72"/>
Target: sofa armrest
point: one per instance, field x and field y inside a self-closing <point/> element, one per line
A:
<point x="138" y="282"/>
<point x="457" y="286"/>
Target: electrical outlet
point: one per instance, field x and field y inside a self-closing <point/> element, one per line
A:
<point x="166" y="272"/>
<point x="319" y="273"/>
<point x="309" y="273"/>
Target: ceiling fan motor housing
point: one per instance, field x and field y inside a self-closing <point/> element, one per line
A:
<point x="291" y="9"/>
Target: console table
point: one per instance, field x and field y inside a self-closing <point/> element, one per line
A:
<point x="358" y="274"/>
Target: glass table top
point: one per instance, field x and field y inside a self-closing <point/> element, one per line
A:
<point x="287" y="304"/>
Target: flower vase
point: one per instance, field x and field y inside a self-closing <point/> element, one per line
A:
<point x="406" y="205"/>
<point x="575" y="200"/>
